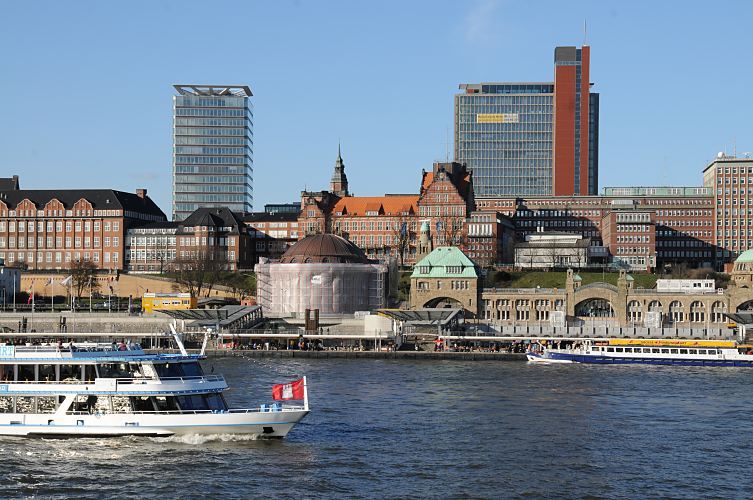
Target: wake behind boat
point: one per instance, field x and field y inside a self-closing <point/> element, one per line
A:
<point x="116" y="390"/>
<point x="645" y="351"/>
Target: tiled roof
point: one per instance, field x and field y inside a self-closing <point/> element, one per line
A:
<point x="9" y="183"/>
<point x="101" y="199"/>
<point x="436" y="263"/>
<point x="387" y="205"/>
<point x="213" y="217"/>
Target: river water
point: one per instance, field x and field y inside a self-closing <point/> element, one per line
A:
<point x="383" y="428"/>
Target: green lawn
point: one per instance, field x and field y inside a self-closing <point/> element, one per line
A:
<point x="556" y="279"/>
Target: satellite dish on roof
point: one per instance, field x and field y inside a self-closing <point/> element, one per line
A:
<point x="720" y="154"/>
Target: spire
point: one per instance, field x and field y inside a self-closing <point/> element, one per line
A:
<point x="339" y="182"/>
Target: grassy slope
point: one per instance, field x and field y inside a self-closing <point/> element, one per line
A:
<point x="556" y="279"/>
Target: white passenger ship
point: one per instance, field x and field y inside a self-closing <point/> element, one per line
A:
<point x="644" y="351"/>
<point x="116" y="390"/>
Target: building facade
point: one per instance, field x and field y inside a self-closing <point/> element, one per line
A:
<point x="214" y="239"/>
<point x="272" y="233"/>
<point x="445" y="281"/>
<point x="676" y="223"/>
<point x="52" y="229"/>
<point x="731" y="180"/>
<point x="212" y="148"/>
<point x="535" y="138"/>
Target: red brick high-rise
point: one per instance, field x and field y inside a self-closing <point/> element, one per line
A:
<point x="575" y="124"/>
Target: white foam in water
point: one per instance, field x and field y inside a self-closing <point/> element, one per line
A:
<point x="204" y="438"/>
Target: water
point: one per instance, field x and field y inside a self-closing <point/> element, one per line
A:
<point x="384" y="428"/>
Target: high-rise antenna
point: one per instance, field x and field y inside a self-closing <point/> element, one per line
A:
<point x="585" y="33"/>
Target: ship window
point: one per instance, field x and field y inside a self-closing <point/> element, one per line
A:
<point x="6" y="404"/>
<point x="46" y="373"/>
<point x="166" y="403"/>
<point x="25" y="404"/>
<point x="665" y="351"/>
<point x="142" y="403"/>
<point x="610" y="349"/>
<point x="188" y="403"/>
<point x="84" y="404"/>
<point x="216" y="402"/>
<point x="618" y="349"/>
<point x="6" y="373"/>
<point x="683" y="351"/>
<point x="90" y="373"/>
<point x="26" y="373"/>
<point x="655" y="350"/>
<point x="46" y="404"/>
<point x="673" y="351"/>
<point x="70" y="372"/>
<point x="701" y="351"/>
<point x="168" y="370"/>
<point x="692" y="351"/>
<point x="628" y="349"/>
<point x="712" y="351"/>
<point x="191" y="369"/>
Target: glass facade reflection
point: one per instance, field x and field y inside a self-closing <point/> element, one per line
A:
<point x="503" y="132"/>
<point x="212" y="148"/>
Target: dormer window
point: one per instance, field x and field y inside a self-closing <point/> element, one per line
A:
<point x="454" y="269"/>
<point x="424" y="269"/>
<point x="372" y="213"/>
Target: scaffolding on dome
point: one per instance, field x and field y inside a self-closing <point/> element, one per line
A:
<point x="333" y="288"/>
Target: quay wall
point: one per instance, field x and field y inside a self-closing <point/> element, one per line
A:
<point x="417" y="355"/>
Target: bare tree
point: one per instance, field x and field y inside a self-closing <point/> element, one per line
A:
<point x="401" y="236"/>
<point x="199" y="272"/>
<point x="82" y="277"/>
<point x="450" y="229"/>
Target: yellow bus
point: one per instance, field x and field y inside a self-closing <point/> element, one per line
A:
<point x="151" y="302"/>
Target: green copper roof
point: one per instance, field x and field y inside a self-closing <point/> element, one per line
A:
<point x="746" y="256"/>
<point x="445" y="262"/>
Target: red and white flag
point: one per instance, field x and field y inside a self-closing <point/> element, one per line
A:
<point x="291" y="390"/>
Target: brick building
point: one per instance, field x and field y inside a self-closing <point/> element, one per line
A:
<point x="215" y="237"/>
<point x="680" y="228"/>
<point x="731" y="181"/>
<point x="50" y="229"/>
<point x="272" y="233"/>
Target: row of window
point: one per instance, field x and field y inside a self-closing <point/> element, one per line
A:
<point x="47" y="257"/>
<point x="57" y="242"/>
<point x="57" y="226"/>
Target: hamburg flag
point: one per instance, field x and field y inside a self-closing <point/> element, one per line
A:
<point x="291" y="390"/>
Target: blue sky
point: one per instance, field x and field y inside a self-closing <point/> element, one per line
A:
<point x="87" y="86"/>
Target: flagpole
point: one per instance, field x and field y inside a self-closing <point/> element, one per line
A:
<point x="305" y="395"/>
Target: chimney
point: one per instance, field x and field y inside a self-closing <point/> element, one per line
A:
<point x="141" y="193"/>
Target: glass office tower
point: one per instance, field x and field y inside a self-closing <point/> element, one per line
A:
<point x="532" y="139"/>
<point x="212" y="148"/>
<point x="503" y="133"/>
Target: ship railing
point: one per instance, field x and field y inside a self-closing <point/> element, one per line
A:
<point x="132" y="380"/>
<point x="268" y="408"/>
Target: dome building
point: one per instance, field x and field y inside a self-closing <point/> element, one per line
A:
<point x="322" y="271"/>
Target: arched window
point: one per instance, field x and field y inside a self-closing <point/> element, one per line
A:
<point x="718" y="309"/>
<point x="634" y="311"/>
<point x="697" y="312"/>
<point x="676" y="312"/>
<point x="654" y="306"/>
